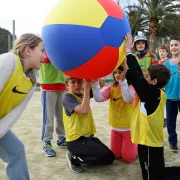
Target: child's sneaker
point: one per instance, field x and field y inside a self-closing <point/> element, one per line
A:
<point x="61" y="144"/>
<point x="48" y="150"/>
<point x="174" y="148"/>
<point x="74" y="168"/>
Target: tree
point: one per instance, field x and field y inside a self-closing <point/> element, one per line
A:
<point x="170" y="26"/>
<point x="5" y="40"/>
<point x="155" y="11"/>
<point x="137" y="21"/>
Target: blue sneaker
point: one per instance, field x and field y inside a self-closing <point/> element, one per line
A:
<point x="48" y="150"/>
<point x="61" y="144"/>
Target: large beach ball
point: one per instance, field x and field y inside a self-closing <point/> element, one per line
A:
<point x="85" y="38"/>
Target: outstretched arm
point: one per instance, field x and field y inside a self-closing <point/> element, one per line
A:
<point x="123" y="85"/>
<point x="98" y="95"/>
<point x="145" y="91"/>
<point x="126" y="93"/>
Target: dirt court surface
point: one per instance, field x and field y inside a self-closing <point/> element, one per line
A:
<point x="28" y="129"/>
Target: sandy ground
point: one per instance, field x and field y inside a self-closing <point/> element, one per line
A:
<point x="28" y="129"/>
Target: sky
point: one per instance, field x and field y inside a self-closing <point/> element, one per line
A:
<point x="29" y="15"/>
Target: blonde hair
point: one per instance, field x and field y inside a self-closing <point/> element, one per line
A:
<point x="25" y="40"/>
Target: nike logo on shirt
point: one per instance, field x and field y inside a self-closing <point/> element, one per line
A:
<point x="14" y="90"/>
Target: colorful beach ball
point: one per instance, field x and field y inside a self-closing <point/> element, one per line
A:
<point x="85" y="38"/>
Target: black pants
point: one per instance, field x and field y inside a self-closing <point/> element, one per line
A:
<point x="89" y="151"/>
<point x="153" y="166"/>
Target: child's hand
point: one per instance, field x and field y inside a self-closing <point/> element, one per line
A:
<point x="128" y="43"/>
<point x="124" y="64"/>
<point x="101" y="82"/>
<point x="123" y="75"/>
<point x="88" y="84"/>
<point x="95" y="80"/>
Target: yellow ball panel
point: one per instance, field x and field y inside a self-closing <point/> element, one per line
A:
<point x="122" y="55"/>
<point x="77" y="12"/>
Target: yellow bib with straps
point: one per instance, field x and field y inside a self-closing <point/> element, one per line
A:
<point x="120" y="112"/>
<point x="78" y="125"/>
<point x="148" y="129"/>
<point x="15" y="89"/>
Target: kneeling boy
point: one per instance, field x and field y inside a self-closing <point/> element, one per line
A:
<point x="83" y="147"/>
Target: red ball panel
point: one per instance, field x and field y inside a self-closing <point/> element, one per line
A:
<point x="92" y="69"/>
<point x="112" y="8"/>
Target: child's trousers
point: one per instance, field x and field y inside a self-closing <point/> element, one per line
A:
<point x="89" y="151"/>
<point x="122" y="146"/>
<point x="153" y="166"/>
<point x="52" y="109"/>
<point x="13" y="154"/>
<point x="172" y="108"/>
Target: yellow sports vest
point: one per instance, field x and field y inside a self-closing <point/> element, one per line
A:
<point x="148" y="129"/>
<point x="120" y="112"/>
<point x="15" y="89"/>
<point x="78" y="125"/>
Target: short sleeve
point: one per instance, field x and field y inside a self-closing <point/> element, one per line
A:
<point x="69" y="103"/>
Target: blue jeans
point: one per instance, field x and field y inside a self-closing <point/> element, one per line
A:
<point x="172" y="112"/>
<point x="12" y="152"/>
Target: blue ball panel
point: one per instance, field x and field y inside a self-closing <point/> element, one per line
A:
<point x="127" y="27"/>
<point x="114" y="30"/>
<point x="70" y="46"/>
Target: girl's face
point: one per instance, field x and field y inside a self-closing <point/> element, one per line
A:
<point x="36" y="56"/>
<point x="140" y="45"/>
<point x="117" y="75"/>
<point x="163" y="54"/>
<point x="75" y="86"/>
<point x="175" y="48"/>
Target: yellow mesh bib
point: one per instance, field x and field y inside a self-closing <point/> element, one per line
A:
<point x="78" y="125"/>
<point x="148" y="129"/>
<point x="120" y="113"/>
<point x="15" y="90"/>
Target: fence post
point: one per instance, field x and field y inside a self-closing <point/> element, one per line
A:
<point x="162" y="41"/>
<point x="9" y="42"/>
<point x="14" y="31"/>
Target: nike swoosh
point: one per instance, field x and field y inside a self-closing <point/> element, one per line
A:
<point x="115" y="99"/>
<point x="14" y="90"/>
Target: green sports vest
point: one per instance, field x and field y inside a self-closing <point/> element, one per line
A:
<point x="50" y="75"/>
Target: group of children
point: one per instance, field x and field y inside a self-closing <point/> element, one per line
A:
<point x="136" y="108"/>
<point x="136" y="112"/>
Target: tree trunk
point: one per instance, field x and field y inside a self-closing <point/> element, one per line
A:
<point x="153" y="29"/>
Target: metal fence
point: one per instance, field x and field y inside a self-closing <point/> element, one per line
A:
<point x="5" y="42"/>
<point x="6" y="37"/>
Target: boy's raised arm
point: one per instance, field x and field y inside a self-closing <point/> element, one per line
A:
<point x="145" y="91"/>
<point x="84" y="107"/>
